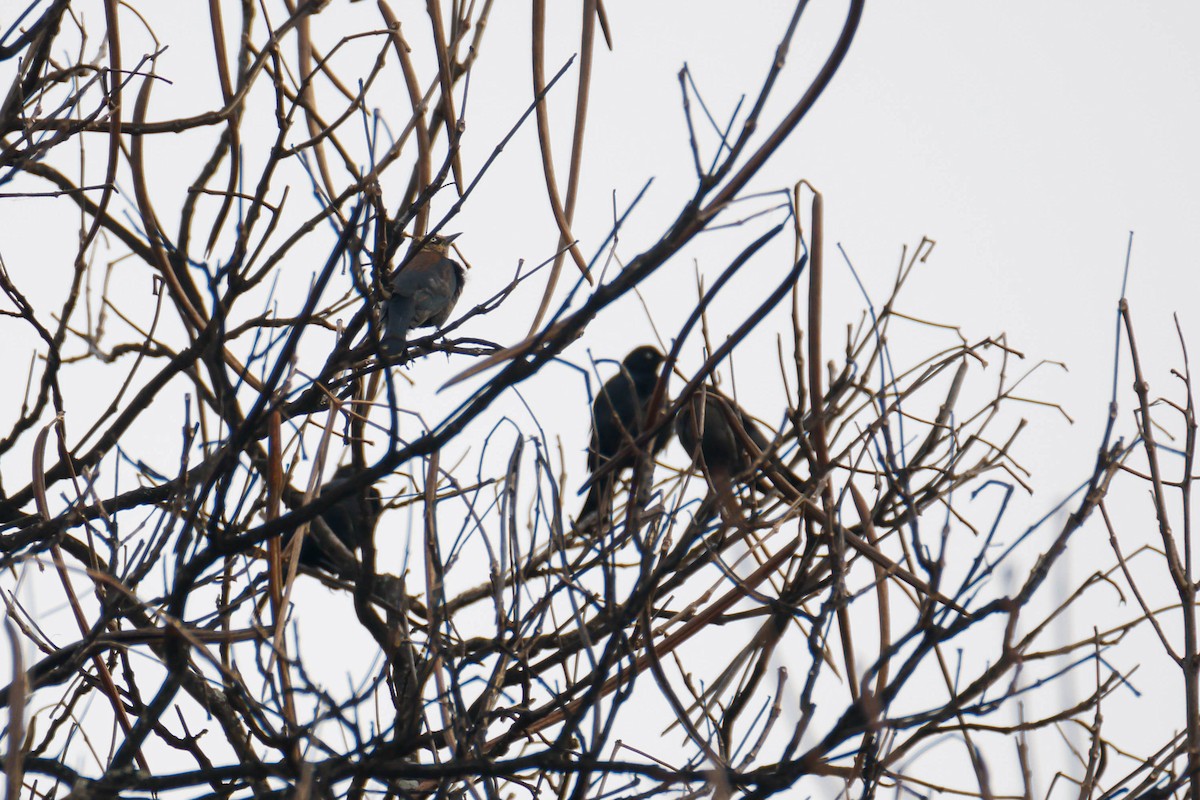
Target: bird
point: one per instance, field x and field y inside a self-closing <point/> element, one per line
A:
<point x="424" y="292"/>
<point x="350" y="519"/>
<point x="618" y="417"/>
<point x="714" y="430"/>
<point x="725" y="443"/>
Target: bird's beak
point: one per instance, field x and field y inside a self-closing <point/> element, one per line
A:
<point x="448" y="238"/>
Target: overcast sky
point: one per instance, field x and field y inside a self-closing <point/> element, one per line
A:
<point x="1027" y="138"/>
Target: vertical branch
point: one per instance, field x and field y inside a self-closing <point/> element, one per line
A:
<point x="115" y="81"/>
<point x="450" y="117"/>
<point x="435" y="601"/>
<point x="586" y="51"/>
<point x="818" y="433"/>
<point x="424" y="146"/>
<point x="1150" y="446"/>
<point x="538" y="51"/>
<point x="14" y="758"/>
<point x="1191" y="655"/>
<point x="883" y="603"/>
<point x="277" y="597"/>
<point x="307" y="98"/>
<point x="217" y="26"/>
<point x="60" y="566"/>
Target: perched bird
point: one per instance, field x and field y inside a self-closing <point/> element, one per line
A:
<point x="618" y="417"/>
<point x="345" y="519"/>
<point x="424" y="291"/>
<point x="714" y="432"/>
<point x="729" y="448"/>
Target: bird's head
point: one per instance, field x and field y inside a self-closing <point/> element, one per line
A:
<point x="644" y="359"/>
<point x="440" y="243"/>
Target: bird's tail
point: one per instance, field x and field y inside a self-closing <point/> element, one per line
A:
<point x="601" y="490"/>
<point x="400" y="311"/>
<point x="722" y="486"/>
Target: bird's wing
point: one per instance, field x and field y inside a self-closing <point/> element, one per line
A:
<point x="434" y="288"/>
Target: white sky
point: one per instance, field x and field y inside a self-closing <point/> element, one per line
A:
<point x="1027" y="138"/>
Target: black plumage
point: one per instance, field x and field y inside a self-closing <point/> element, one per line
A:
<point x="424" y="292"/>
<point x="714" y="431"/>
<point x="619" y="415"/>
<point x="728" y="447"/>
<point x="352" y="520"/>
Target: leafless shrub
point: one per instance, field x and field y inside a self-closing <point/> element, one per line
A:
<point x="828" y="612"/>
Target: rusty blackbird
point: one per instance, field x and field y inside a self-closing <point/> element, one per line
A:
<point x="618" y="417"/>
<point x="424" y="291"/>
<point x="731" y="448"/>
<point x="711" y="428"/>
<point x="345" y="520"/>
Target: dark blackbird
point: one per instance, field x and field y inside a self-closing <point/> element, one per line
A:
<point x="618" y="417"/>
<point x="724" y="453"/>
<point x="344" y="519"/>
<point x="720" y="449"/>
<point x="424" y="292"/>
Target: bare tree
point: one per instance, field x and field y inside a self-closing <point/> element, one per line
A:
<point x="805" y="601"/>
